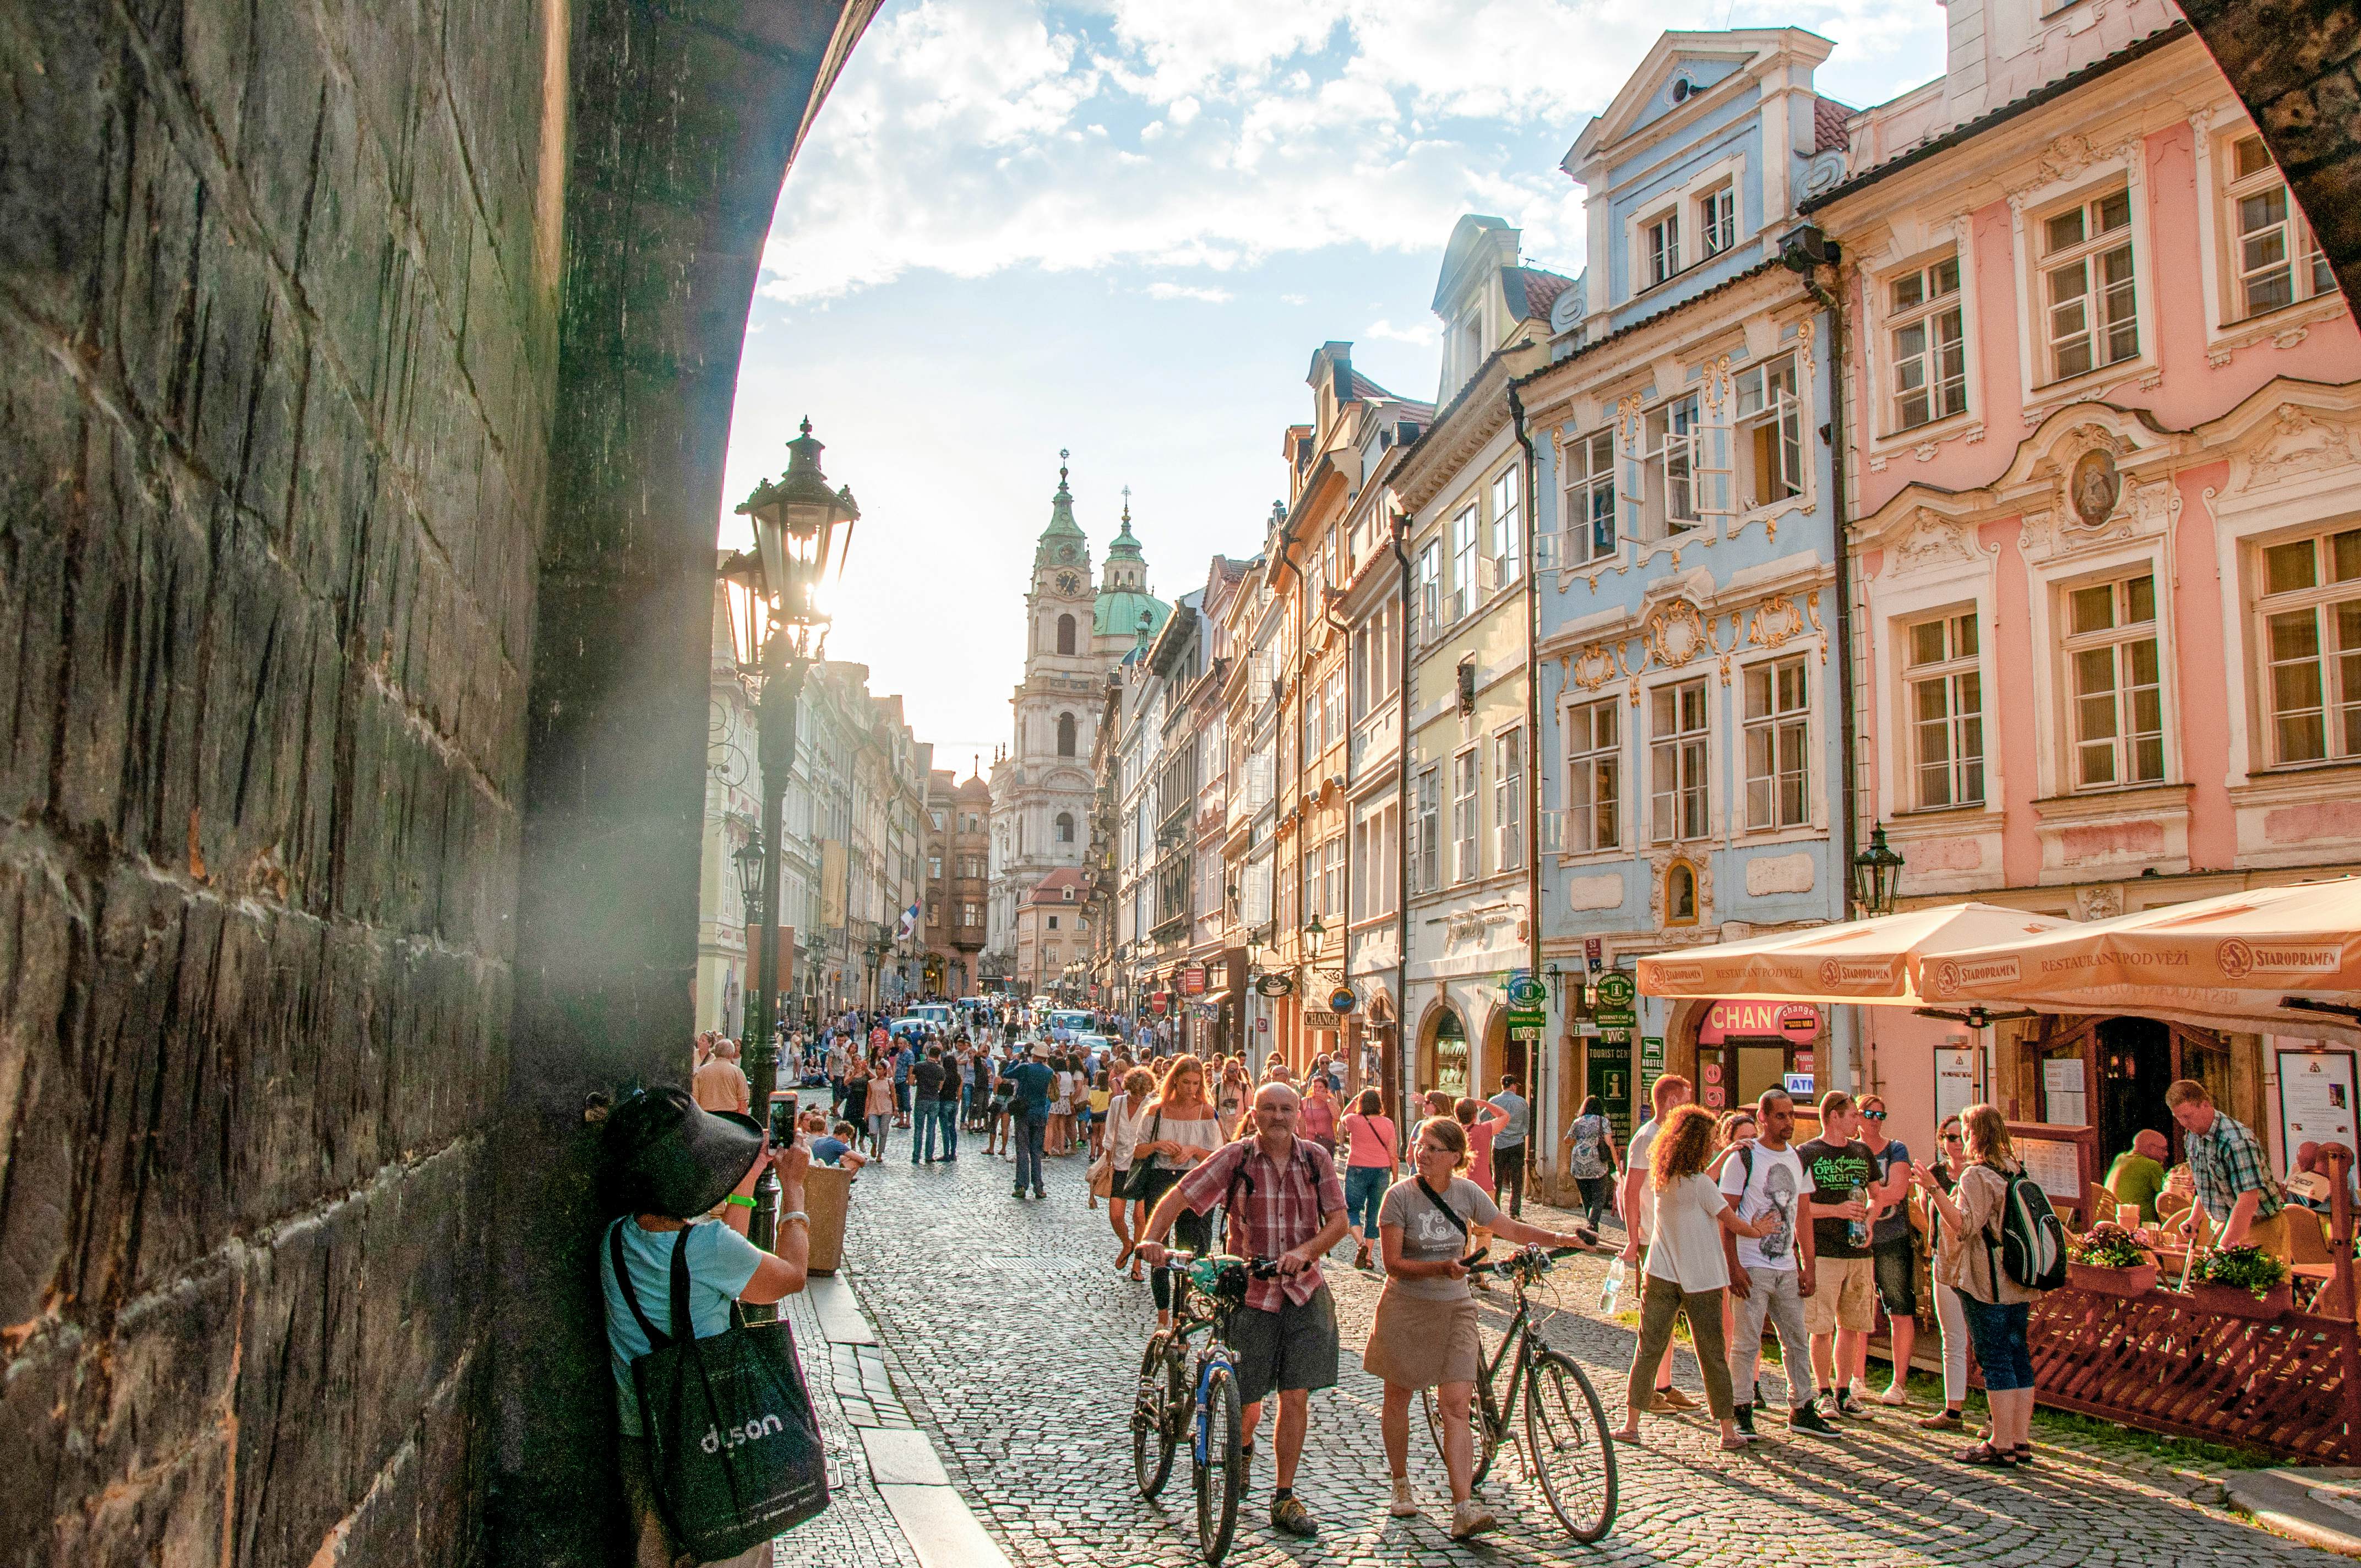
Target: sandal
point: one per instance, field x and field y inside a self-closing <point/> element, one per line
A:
<point x="1985" y="1453"/>
<point x="1125" y="1255"/>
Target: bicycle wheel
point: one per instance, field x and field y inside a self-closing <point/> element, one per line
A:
<point x="1155" y="1423"/>
<point x="1566" y="1433"/>
<point x="1221" y="1467"/>
<point x="1483" y="1438"/>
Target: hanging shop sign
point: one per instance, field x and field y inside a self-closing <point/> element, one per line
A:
<point x="1753" y="1020"/>
<point x="1616" y="989"/>
<point x="1315" y="1019"/>
<point x="1342" y="999"/>
<point x="1273" y="985"/>
<point x="1524" y="990"/>
<point x="1192" y="981"/>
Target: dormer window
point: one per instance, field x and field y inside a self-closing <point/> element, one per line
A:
<point x="1718" y="220"/>
<point x="1663" y="249"/>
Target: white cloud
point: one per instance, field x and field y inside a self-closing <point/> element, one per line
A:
<point x="1426" y="334"/>
<point x="1189" y="292"/>
<point x="970" y="138"/>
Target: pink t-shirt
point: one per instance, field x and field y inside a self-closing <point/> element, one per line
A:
<point x="1316" y="1120"/>
<point x="1370" y="1140"/>
<point x="1479" y="1151"/>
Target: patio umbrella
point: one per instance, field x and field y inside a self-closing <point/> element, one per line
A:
<point x="1872" y="960"/>
<point x="2270" y="960"/>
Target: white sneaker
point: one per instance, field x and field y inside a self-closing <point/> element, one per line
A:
<point x="1405" y="1505"/>
<point x="1471" y="1517"/>
<point x="1894" y="1395"/>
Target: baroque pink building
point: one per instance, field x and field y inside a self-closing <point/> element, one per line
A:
<point x="2102" y="400"/>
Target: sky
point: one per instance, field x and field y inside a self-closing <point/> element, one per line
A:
<point x="1122" y="229"/>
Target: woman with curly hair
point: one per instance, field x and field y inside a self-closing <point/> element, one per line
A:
<point x="1686" y="1270"/>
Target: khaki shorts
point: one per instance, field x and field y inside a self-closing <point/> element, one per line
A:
<point x="1844" y="1296"/>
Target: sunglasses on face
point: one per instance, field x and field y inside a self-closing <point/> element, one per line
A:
<point x="1873" y="1115"/>
<point x="1950" y="1137"/>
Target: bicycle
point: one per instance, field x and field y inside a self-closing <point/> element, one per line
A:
<point x="1567" y="1449"/>
<point x="1178" y="1389"/>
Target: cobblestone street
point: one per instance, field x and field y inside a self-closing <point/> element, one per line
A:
<point x="1010" y="1337"/>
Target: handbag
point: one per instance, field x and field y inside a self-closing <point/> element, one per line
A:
<point x="1100" y="1173"/>
<point x="1140" y="1182"/>
<point x="732" y="1442"/>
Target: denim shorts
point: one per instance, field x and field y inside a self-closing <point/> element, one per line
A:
<point x="1364" y="1189"/>
<point x="1998" y="1333"/>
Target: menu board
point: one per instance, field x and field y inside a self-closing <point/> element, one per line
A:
<point x="2061" y="1089"/>
<point x="2315" y="1100"/>
<point x="2056" y="1167"/>
<point x="1955" y="1082"/>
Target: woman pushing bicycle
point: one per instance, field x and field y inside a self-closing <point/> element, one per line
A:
<point x="1424" y="1335"/>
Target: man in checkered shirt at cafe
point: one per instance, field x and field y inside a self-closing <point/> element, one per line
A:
<point x="1285" y="1203"/>
<point x="2234" y="1185"/>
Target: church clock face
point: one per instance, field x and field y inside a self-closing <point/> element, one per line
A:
<point x="1069" y="584"/>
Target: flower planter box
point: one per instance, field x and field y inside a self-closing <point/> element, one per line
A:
<point x="2136" y="1280"/>
<point x="2231" y="1301"/>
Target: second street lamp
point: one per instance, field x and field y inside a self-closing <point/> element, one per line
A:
<point x="802" y="532"/>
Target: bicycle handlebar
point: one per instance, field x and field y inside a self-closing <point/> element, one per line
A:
<point x="1524" y="1257"/>
<point x="1256" y="1267"/>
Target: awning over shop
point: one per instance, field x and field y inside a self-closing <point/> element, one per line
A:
<point x="1873" y="960"/>
<point x="2282" y="961"/>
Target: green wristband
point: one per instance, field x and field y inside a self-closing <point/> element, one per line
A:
<point x="741" y="1201"/>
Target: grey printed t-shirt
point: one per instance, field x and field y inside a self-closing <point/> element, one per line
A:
<point x="1428" y="1237"/>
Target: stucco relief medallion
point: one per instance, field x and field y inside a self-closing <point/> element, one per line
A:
<point x="2094" y="487"/>
<point x="1594" y="667"/>
<point x="1676" y="633"/>
<point x="1931" y="541"/>
<point x="2296" y="443"/>
<point x="1776" y="620"/>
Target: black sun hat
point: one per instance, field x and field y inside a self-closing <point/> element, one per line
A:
<point x="666" y="1155"/>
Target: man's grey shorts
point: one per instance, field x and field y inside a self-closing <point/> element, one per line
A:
<point x="1294" y="1347"/>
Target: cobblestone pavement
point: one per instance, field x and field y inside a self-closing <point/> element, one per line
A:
<point x="850" y="1389"/>
<point x="1011" y="1337"/>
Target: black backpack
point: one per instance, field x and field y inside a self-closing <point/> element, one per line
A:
<point x="732" y="1442"/>
<point x="2032" y="1246"/>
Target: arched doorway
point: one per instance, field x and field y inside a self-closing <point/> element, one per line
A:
<point x="1443" y="1054"/>
<point x="2111" y="1073"/>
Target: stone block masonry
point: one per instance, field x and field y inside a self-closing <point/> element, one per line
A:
<point x="279" y="374"/>
<point x="290" y="299"/>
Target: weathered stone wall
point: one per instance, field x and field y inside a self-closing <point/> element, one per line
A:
<point x="278" y="341"/>
<point x="322" y="900"/>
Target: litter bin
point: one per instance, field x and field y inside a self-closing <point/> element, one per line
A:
<point x="826" y="1190"/>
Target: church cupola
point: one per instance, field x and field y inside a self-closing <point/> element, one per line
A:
<point x="1127" y="568"/>
<point x="1061" y="544"/>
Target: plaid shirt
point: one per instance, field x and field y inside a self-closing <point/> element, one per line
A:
<point x="2227" y="1163"/>
<point x="1281" y="1213"/>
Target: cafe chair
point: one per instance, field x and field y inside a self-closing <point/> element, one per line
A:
<point x="2307" y="1237"/>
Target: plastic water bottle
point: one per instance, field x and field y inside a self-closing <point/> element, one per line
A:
<point x="1857" y="1231"/>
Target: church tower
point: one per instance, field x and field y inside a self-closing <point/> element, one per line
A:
<point x="1041" y="788"/>
<point x="1125" y="609"/>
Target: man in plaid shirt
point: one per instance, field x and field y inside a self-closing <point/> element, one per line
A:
<point x="2234" y="1185"/>
<point x="1285" y="1203"/>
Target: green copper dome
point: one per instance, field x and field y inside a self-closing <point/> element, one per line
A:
<point x="1119" y="611"/>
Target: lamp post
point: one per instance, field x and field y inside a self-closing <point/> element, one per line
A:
<point x="802" y="532"/>
<point x="1876" y="873"/>
<point x="748" y="860"/>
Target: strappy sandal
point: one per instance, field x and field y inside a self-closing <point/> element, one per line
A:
<point x="1985" y="1453"/>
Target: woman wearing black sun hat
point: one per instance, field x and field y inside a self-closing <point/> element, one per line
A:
<point x="667" y="1164"/>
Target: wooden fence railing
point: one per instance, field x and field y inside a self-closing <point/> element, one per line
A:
<point x="2290" y="1386"/>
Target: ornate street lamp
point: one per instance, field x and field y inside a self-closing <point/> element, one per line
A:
<point x="1875" y="871"/>
<point x="803" y="531"/>
<point x="748" y="857"/>
<point x="1313" y="936"/>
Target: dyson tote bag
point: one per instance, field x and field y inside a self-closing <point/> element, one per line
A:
<point x="732" y="1442"/>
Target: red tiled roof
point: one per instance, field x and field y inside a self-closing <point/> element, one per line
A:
<point x="1828" y="118"/>
<point x="1540" y="291"/>
<point x="1051" y="889"/>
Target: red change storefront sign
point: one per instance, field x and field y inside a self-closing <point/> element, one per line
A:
<point x="1192" y="981"/>
<point x="1759" y="1020"/>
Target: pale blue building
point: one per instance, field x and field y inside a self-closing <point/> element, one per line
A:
<point x="1690" y="679"/>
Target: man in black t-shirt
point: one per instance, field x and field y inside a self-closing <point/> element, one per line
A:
<point x="1839" y="1282"/>
<point x="947" y="1102"/>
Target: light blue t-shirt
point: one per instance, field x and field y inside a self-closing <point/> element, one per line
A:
<point x="720" y="1262"/>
